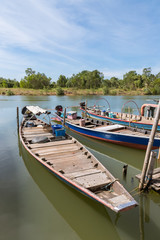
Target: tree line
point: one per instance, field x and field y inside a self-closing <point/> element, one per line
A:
<point x="147" y="81"/>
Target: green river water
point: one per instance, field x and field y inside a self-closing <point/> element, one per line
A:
<point x="35" y="205"/>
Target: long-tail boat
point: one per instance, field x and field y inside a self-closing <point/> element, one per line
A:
<point x="144" y="119"/>
<point x="108" y="132"/>
<point x="71" y="162"/>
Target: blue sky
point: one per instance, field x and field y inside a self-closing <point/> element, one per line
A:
<point x="67" y="36"/>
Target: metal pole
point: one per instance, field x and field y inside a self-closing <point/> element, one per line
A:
<point x="149" y="147"/>
<point x="129" y="116"/>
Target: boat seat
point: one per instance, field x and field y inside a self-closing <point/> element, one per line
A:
<point x="93" y="181"/>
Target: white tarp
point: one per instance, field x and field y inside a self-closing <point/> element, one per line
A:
<point x="109" y="127"/>
<point x="36" y="110"/>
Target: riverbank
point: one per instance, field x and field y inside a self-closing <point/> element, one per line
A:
<point x="68" y="91"/>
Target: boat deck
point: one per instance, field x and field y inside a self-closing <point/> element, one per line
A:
<point x="116" y="128"/>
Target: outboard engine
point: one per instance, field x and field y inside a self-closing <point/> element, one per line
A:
<point x="82" y="105"/>
<point x="26" y="113"/>
<point x="59" y="108"/>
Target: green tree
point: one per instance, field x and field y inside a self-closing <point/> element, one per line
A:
<point x="106" y="83"/>
<point x="114" y="82"/>
<point x="4" y="84"/>
<point x="29" y="72"/>
<point x="62" y="80"/>
<point x="86" y="79"/>
<point x="129" y="80"/>
<point x="147" y="77"/>
<point x="35" y="81"/>
<point x="156" y="87"/>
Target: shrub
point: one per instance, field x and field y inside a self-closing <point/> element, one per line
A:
<point x="9" y="93"/>
<point x="113" y="92"/>
<point x="105" y="90"/>
<point x="59" y="91"/>
<point x="147" y="91"/>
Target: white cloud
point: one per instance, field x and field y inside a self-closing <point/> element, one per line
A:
<point x="67" y="36"/>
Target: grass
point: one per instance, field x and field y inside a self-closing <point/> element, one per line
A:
<point x="69" y="91"/>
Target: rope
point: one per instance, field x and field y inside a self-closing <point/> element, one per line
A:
<point x="109" y="184"/>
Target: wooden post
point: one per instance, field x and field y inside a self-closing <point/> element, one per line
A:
<point x="18" y="119"/>
<point x="158" y="154"/>
<point x="85" y="110"/>
<point x="150" y="168"/>
<point x="149" y="147"/>
<point x="64" y="117"/>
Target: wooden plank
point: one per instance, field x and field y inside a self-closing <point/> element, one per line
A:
<point x="57" y="156"/>
<point x="37" y="134"/>
<point x="120" y="199"/>
<point x="156" y="170"/>
<point x="82" y="173"/>
<point x="73" y="168"/>
<point x="68" y="160"/>
<point x="31" y="138"/>
<point x="32" y="129"/>
<point x="65" y="158"/>
<point x="29" y="129"/>
<point x="57" y="146"/>
<point x="60" y="154"/>
<point x="56" y="149"/>
<point x="74" y="164"/>
<point x="156" y="176"/>
<point x="94" y="180"/>
<point x="54" y="143"/>
<point x="73" y="160"/>
<point x="61" y="151"/>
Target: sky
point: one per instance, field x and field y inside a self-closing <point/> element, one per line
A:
<point x="65" y="37"/>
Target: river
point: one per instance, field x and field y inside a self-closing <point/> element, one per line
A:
<point x="34" y="205"/>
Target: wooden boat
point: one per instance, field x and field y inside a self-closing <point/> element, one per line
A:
<point x="144" y="120"/>
<point x="114" y="133"/>
<point x="72" y="163"/>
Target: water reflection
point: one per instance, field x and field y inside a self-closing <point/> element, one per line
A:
<point x="45" y="208"/>
<point x="89" y="219"/>
<point x="133" y="157"/>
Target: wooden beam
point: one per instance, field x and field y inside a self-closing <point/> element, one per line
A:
<point x="18" y="119"/>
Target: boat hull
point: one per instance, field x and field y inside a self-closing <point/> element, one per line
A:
<point x="134" y="124"/>
<point x="133" y="141"/>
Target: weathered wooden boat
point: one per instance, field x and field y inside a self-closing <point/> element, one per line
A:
<point x="114" y="133"/>
<point x="71" y="162"/>
<point x="143" y="120"/>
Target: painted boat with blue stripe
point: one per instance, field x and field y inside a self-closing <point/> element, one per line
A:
<point x="143" y="124"/>
<point x="132" y="123"/>
<point x="72" y="163"/>
<point x="115" y="133"/>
